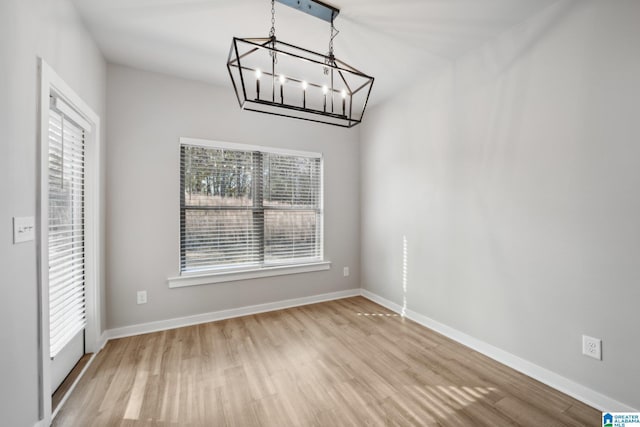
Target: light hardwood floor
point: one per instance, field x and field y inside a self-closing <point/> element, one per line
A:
<point x="345" y="362"/>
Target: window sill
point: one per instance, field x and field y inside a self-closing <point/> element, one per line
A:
<point x="221" y="276"/>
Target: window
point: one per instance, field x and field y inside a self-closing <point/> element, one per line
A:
<point x="244" y="207"/>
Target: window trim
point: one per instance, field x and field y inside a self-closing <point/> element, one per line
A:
<point x="244" y="273"/>
<point x="247" y="147"/>
<point x="51" y="82"/>
<point x="240" y="272"/>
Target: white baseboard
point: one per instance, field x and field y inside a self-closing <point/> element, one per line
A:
<point x="558" y="382"/>
<point x="99" y="343"/>
<point x="162" y="325"/>
<point x="103" y="340"/>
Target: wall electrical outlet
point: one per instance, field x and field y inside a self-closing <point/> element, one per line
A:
<point x="142" y="297"/>
<point x="592" y="347"/>
<point x="345" y="271"/>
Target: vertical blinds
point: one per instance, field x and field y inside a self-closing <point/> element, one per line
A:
<point x="66" y="230"/>
<point x="248" y="208"/>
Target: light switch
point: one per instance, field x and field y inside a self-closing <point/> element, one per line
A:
<point x="24" y="229"/>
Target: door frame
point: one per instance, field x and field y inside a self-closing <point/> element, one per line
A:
<point x="50" y="82"/>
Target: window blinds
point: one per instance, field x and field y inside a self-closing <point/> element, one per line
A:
<point x="66" y="230"/>
<point x="292" y="201"/>
<point x="248" y="208"/>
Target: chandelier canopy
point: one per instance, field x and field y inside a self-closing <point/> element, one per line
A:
<point x="273" y="77"/>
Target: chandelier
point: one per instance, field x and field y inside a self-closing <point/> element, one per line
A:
<point x="273" y="77"/>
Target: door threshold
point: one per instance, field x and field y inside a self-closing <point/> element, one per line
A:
<point x="58" y="396"/>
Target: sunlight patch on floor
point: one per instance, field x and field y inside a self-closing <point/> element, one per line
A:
<point x="446" y="400"/>
<point x="378" y="314"/>
<point x="137" y="396"/>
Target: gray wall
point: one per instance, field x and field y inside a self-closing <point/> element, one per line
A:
<point x="514" y="179"/>
<point x="148" y="113"/>
<point x="28" y="29"/>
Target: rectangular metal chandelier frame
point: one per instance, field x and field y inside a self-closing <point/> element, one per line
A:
<point x="345" y="75"/>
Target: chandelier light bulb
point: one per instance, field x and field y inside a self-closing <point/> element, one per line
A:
<point x="325" y="89"/>
<point x="258" y="74"/>
<point x="304" y="93"/>
<point x="344" y="102"/>
<point x="282" y="80"/>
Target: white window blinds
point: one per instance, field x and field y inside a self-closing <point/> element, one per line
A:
<point x="66" y="229"/>
<point x="248" y="208"/>
<point x="292" y="204"/>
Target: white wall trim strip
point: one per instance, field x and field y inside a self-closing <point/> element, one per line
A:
<point x="163" y="325"/>
<point x="571" y="388"/>
<point x="246" y="147"/>
<point x="558" y="382"/>
<point x="231" y="275"/>
<point x="102" y="341"/>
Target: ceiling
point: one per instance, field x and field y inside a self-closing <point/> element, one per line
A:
<point x="395" y="41"/>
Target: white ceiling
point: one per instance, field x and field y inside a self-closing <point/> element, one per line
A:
<point x="395" y="41"/>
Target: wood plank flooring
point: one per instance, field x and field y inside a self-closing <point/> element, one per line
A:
<point x="349" y="362"/>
